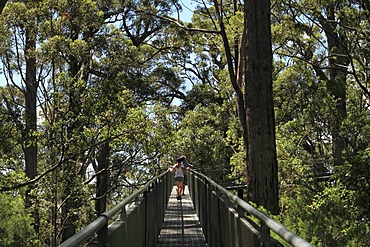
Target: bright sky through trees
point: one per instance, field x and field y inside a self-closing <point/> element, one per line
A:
<point x="187" y="10"/>
<point x="185" y="15"/>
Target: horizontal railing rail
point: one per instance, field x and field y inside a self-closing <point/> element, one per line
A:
<point x="89" y="231"/>
<point x="210" y="205"/>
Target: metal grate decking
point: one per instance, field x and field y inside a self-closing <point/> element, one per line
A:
<point x="181" y="226"/>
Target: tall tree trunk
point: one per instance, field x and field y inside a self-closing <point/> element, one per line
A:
<point x="254" y="100"/>
<point x="235" y="69"/>
<point x="30" y="151"/>
<point x="262" y="167"/>
<point x="102" y="188"/>
<point x="336" y="84"/>
<point x="71" y="199"/>
<point x="71" y="177"/>
<point x="72" y="195"/>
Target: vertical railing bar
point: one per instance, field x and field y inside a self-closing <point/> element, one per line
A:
<point x="145" y="196"/>
<point x="265" y="233"/>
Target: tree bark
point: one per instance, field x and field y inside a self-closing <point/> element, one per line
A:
<point x="262" y="167"/>
<point x="235" y="73"/>
<point x="73" y="183"/>
<point x="30" y="151"/>
<point x="102" y="188"/>
<point x="336" y="83"/>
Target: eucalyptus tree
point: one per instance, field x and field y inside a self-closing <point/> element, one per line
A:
<point x="334" y="55"/>
<point x="132" y="53"/>
<point x="91" y="57"/>
<point x="125" y="59"/>
<point x="258" y="100"/>
<point x="20" y="58"/>
<point x="72" y="26"/>
<point x="203" y="138"/>
<point x="321" y="47"/>
<point x="228" y="30"/>
<point x="32" y="84"/>
<point x="326" y="36"/>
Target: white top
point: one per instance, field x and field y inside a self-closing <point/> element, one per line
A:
<point x="179" y="172"/>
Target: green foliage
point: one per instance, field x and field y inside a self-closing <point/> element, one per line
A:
<point x="237" y="160"/>
<point x="15" y="222"/>
<point x="332" y="213"/>
<point x="201" y="137"/>
<point x="332" y="218"/>
<point x="11" y="155"/>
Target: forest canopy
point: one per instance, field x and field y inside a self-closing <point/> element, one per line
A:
<point x="98" y="97"/>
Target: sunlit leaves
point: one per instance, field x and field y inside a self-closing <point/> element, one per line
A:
<point x="15" y="222"/>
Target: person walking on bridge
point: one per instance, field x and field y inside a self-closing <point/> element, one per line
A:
<point x="179" y="171"/>
<point x="187" y="166"/>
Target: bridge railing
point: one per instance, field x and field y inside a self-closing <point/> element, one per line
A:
<point x="139" y="221"/>
<point x="223" y="217"/>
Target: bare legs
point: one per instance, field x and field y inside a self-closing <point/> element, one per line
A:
<point x="180" y="187"/>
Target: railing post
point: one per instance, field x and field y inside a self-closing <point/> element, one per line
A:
<point x="103" y="235"/>
<point x="123" y="218"/>
<point x="207" y="211"/>
<point x="265" y="234"/>
<point x="146" y="216"/>
<point x="123" y="215"/>
<point x="159" y="206"/>
<point x="204" y="206"/>
<point x="240" y="193"/>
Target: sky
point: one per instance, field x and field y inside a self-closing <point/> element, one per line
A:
<point x="187" y="10"/>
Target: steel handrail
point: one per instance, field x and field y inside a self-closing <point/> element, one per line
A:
<point x="99" y="222"/>
<point x="276" y="227"/>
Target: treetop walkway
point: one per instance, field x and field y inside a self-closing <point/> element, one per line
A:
<point x="207" y="216"/>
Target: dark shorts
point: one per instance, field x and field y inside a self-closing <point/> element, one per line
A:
<point x="180" y="179"/>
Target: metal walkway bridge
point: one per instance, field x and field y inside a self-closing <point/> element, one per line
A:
<point x="207" y="216"/>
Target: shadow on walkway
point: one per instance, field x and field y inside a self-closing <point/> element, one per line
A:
<point x="181" y="226"/>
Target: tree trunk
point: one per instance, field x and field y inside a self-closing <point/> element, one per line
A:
<point x="72" y="194"/>
<point x="2" y="5"/>
<point x="102" y="188"/>
<point x="71" y="199"/>
<point x="336" y="83"/>
<point x="30" y="151"/>
<point x="71" y="177"/>
<point x="262" y="168"/>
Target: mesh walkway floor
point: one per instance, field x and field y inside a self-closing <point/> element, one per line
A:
<point x="181" y="226"/>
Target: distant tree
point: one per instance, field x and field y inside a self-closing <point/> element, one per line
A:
<point x="319" y="91"/>
<point x="30" y="94"/>
<point x="208" y="147"/>
<point x="24" y="31"/>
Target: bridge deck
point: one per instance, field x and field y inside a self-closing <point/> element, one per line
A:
<point x="181" y="226"/>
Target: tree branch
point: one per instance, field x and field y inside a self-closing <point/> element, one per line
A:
<point x="2" y="5"/>
<point x="174" y="21"/>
